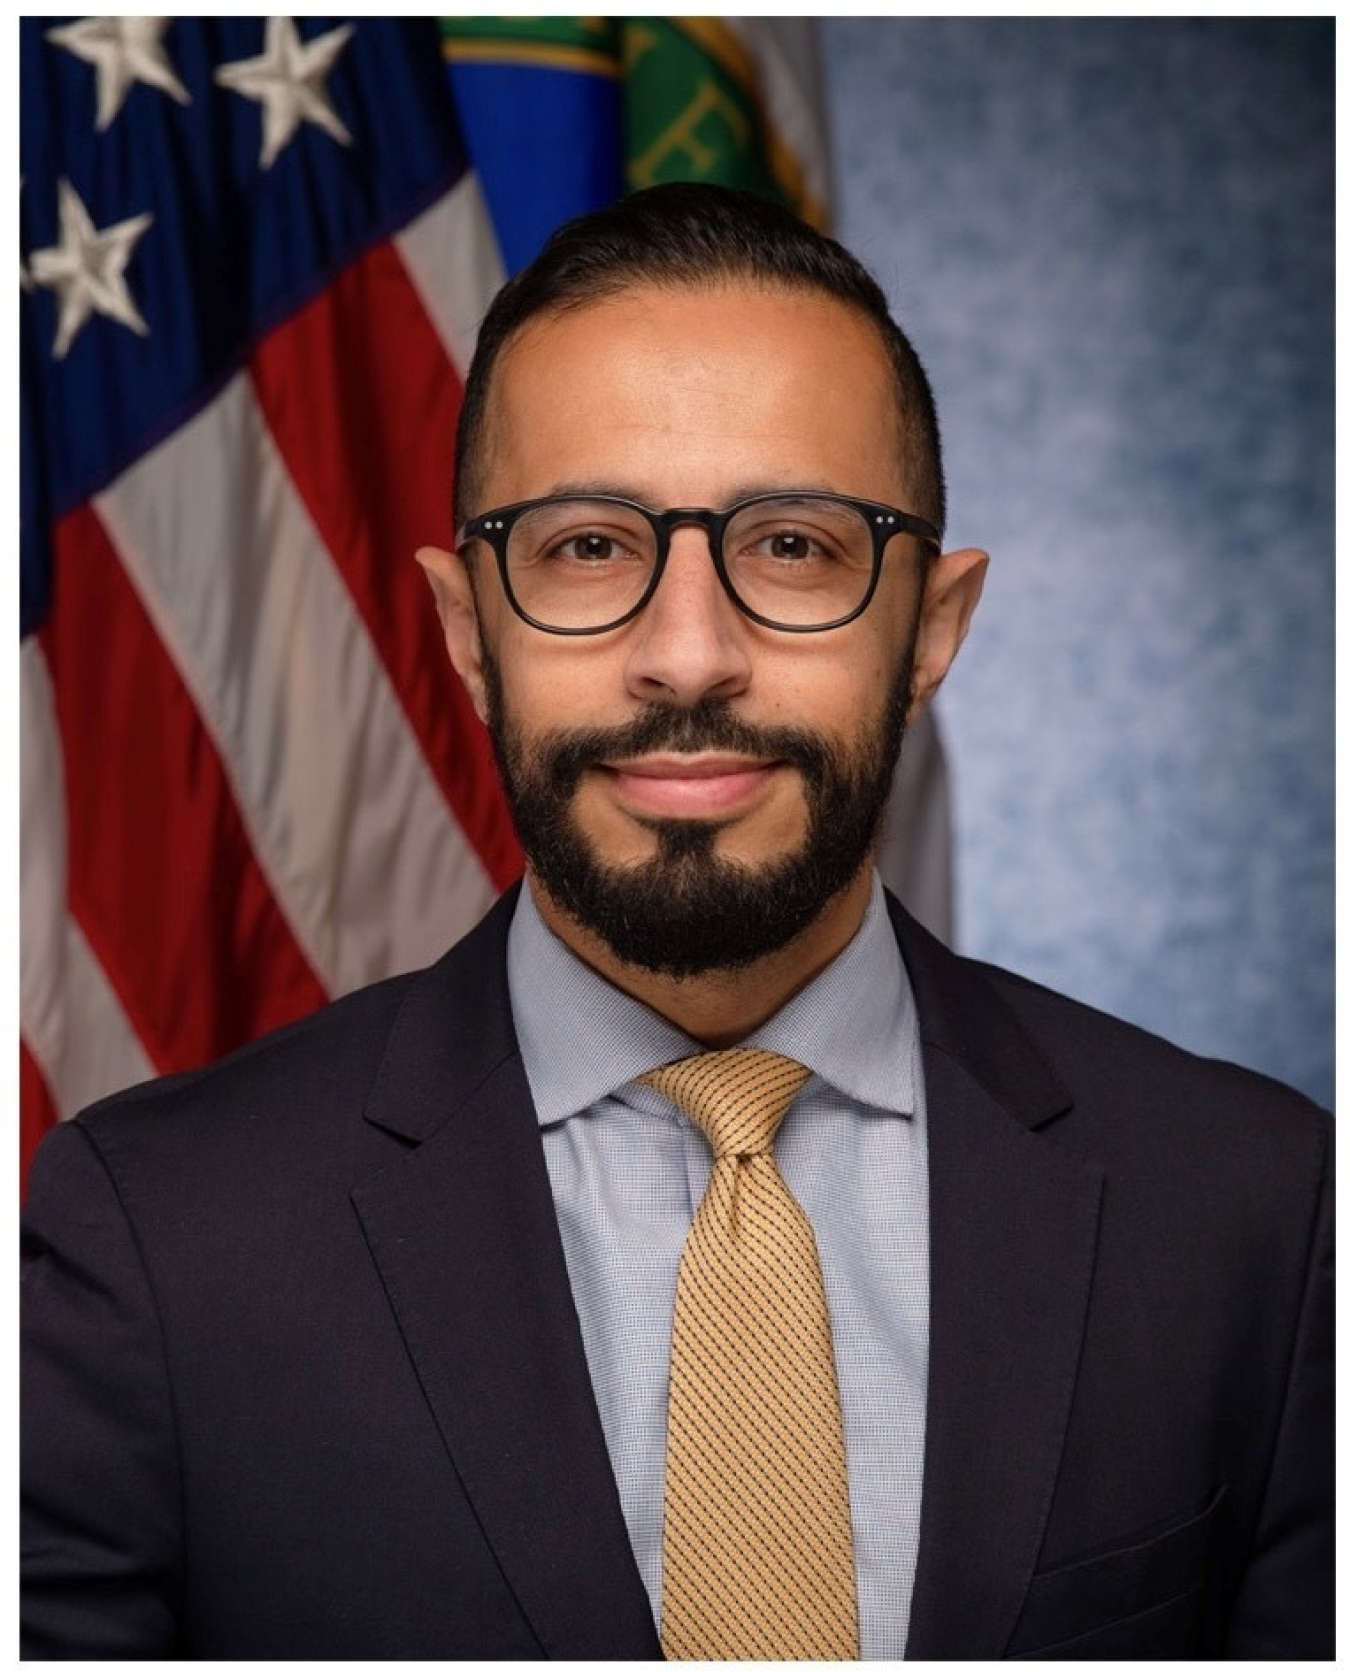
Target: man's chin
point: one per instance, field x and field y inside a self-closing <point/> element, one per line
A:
<point x="683" y="841"/>
<point x="686" y="911"/>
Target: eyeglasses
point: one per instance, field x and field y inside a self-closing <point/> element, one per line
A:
<point x="798" y="562"/>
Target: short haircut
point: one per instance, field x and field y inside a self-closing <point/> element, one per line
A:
<point x="689" y="235"/>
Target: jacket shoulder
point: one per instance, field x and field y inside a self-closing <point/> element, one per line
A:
<point x="1112" y="1092"/>
<point x="1087" y="1044"/>
<point x="320" y="1060"/>
<point x="305" y="1080"/>
<point x="1210" y="1139"/>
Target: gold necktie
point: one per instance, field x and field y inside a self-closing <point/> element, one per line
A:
<point x="757" y="1559"/>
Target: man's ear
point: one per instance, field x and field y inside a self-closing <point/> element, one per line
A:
<point x="953" y="589"/>
<point x="458" y="610"/>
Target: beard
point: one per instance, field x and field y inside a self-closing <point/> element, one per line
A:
<point x="688" y="910"/>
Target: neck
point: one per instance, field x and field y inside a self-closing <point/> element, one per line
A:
<point x="721" y="1007"/>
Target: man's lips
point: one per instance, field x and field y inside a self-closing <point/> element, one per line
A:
<point x="689" y="786"/>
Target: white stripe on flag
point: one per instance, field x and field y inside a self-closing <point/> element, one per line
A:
<point x="451" y="256"/>
<point x="351" y="829"/>
<point x="75" y="1027"/>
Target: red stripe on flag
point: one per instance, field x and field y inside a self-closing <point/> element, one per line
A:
<point x="37" y="1111"/>
<point x="162" y="878"/>
<point x="362" y="401"/>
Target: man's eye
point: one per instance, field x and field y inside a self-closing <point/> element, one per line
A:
<point x="788" y="545"/>
<point x="588" y="548"/>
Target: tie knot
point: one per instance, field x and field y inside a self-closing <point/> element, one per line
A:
<point x="738" y="1097"/>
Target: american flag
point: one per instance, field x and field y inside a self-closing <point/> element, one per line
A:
<point x="254" y="258"/>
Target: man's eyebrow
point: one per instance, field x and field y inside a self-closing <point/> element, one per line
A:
<point x="597" y="487"/>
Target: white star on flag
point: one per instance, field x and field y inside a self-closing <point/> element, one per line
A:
<point x="124" y="50"/>
<point x="87" y="268"/>
<point x="288" y="81"/>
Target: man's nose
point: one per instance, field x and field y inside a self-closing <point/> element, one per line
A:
<point x="691" y="641"/>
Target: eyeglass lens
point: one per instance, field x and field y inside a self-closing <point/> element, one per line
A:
<point x="583" y="563"/>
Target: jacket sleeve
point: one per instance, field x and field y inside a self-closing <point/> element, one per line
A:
<point x="100" y="1481"/>
<point x="1285" y="1603"/>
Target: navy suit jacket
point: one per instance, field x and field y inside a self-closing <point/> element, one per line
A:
<point x="304" y="1377"/>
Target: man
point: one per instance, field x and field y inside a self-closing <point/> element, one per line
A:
<point x="456" y="1321"/>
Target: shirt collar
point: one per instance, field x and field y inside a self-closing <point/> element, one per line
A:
<point x="581" y="1038"/>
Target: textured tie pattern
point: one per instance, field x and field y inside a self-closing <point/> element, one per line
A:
<point x="757" y="1558"/>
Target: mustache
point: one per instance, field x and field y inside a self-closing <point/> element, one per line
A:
<point x="708" y="725"/>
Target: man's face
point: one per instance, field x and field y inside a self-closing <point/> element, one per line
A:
<point x="694" y="787"/>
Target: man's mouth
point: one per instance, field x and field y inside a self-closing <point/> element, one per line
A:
<point x="705" y="785"/>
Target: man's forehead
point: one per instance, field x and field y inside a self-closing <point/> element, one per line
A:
<point x="694" y="395"/>
<point x="720" y="307"/>
<point x="751" y="335"/>
<point x="617" y="486"/>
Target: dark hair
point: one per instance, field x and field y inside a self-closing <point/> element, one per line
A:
<point x="689" y="234"/>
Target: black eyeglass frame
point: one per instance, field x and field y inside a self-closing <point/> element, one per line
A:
<point x="884" y="521"/>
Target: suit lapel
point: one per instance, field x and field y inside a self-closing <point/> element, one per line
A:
<point x="462" y="1228"/>
<point x="1013" y="1220"/>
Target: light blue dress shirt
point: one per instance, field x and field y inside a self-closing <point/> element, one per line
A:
<point x="628" y="1171"/>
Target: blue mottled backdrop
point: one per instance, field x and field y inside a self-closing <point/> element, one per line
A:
<point x="1112" y="243"/>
